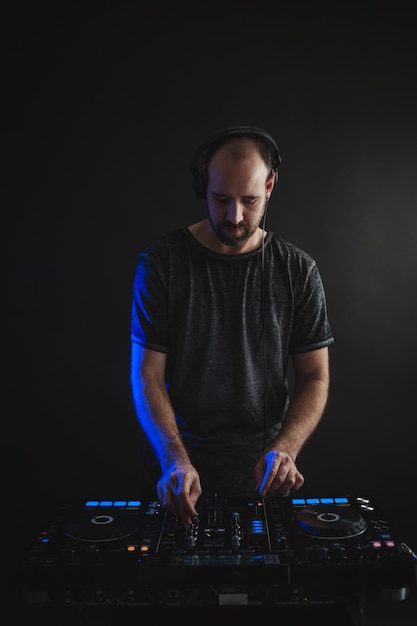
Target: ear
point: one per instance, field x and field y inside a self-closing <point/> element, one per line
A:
<point x="270" y="183"/>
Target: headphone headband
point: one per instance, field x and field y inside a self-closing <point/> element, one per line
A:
<point x="199" y="162"/>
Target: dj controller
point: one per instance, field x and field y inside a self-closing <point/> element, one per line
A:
<point x="237" y="552"/>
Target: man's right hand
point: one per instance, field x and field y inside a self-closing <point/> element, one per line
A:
<point x="178" y="490"/>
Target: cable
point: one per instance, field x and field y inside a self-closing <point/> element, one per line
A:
<point x="263" y="326"/>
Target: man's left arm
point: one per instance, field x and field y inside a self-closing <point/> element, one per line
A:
<point x="276" y="471"/>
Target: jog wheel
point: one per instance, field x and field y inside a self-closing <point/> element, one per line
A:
<point x="330" y="522"/>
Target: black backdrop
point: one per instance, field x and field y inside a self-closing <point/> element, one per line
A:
<point x="106" y="103"/>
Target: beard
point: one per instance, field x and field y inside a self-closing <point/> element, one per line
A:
<point x="233" y="235"/>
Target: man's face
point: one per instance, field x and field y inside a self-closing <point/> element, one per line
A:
<point x="236" y="193"/>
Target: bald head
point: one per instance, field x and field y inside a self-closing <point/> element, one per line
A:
<point x="237" y="168"/>
<point x="239" y="148"/>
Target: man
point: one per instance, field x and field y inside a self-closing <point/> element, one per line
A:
<point x="219" y="309"/>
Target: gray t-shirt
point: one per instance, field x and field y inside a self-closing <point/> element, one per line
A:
<point x="228" y="324"/>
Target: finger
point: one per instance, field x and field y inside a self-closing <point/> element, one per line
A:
<point x="292" y="482"/>
<point x="178" y="495"/>
<point x="165" y="498"/>
<point x="169" y="501"/>
<point x="272" y="465"/>
<point x="299" y="481"/>
<point x="188" y="495"/>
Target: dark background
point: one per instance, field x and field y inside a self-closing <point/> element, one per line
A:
<point x="105" y="105"/>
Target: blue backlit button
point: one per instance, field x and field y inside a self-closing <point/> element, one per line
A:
<point x="313" y="501"/>
<point x="298" y="501"/>
<point x="341" y="500"/>
<point x="327" y="500"/>
<point x="91" y="503"/>
<point x="257" y="526"/>
<point x="106" y="502"/>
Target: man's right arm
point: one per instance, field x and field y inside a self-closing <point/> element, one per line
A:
<point x="179" y="486"/>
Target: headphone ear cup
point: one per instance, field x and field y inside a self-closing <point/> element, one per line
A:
<point x="197" y="170"/>
<point x="200" y="185"/>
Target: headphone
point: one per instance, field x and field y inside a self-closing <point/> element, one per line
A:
<point x="198" y="165"/>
